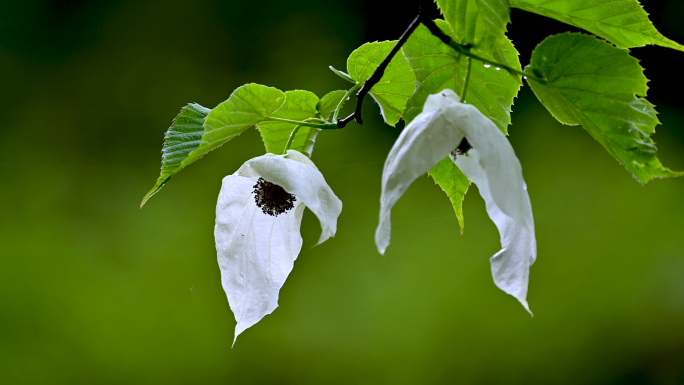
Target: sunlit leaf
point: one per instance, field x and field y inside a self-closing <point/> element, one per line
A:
<point x="623" y="22"/>
<point x="299" y="105"/>
<point x="480" y="23"/>
<point x="397" y="83"/>
<point x="186" y="142"/>
<point x="600" y="87"/>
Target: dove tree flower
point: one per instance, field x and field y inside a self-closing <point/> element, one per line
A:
<point x="447" y="126"/>
<point x="582" y="80"/>
<point x="258" y="216"/>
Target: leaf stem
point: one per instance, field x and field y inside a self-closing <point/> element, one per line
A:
<point x="344" y="99"/>
<point x="308" y="123"/>
<point x="467" y="80"/>
<point x="291" y="138"/>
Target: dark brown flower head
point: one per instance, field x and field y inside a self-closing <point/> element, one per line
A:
<point x="272" y="199"/>
<point x="462" y="148"/>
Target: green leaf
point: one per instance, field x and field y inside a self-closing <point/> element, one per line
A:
<point x="397" y="83"/>
<point x="247" y="106"/>
<point x="341" y="74"/>
<point x="623" y="22"/>
<point x="184" y="135"/>
<point x="299" y="105"/>
<point x="328" y="103"/>
<point x="481" y="23"/>
<point x="596" y="85"/>
<point x="437" y="66"/>
<point x="454" y="183"/>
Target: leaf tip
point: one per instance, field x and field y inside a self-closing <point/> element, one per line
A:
<point x="149" y="194"/>
<point x="145" y="199"/>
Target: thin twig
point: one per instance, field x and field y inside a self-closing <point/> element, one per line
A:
<point x="377" y="75"/>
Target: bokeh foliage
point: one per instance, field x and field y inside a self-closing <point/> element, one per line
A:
<point x="95" y="290"/>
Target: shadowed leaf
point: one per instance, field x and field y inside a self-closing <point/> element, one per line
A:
<point x="600" y="87"/>
<point x="623" y="22"/>
<point x="183" y="137"/>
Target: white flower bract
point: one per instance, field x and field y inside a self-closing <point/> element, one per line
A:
<point x="491" y="164"/>
<point x="256" y="251"/>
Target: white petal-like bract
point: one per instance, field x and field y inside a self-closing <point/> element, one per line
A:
<point x="491" y="164"/>
<point x="498" y="176"/>
<point x="256" y="251"/>
<point x="423" y="143"/>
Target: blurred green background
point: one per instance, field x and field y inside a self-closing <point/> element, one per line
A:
<point x="94" y="290"/>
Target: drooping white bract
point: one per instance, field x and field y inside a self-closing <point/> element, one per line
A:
<point x="491" y="164"/>
<point x="256" y="251"/>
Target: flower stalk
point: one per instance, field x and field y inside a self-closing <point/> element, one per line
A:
<point x="467" y="80"/>
<point x="291" y="138"/>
